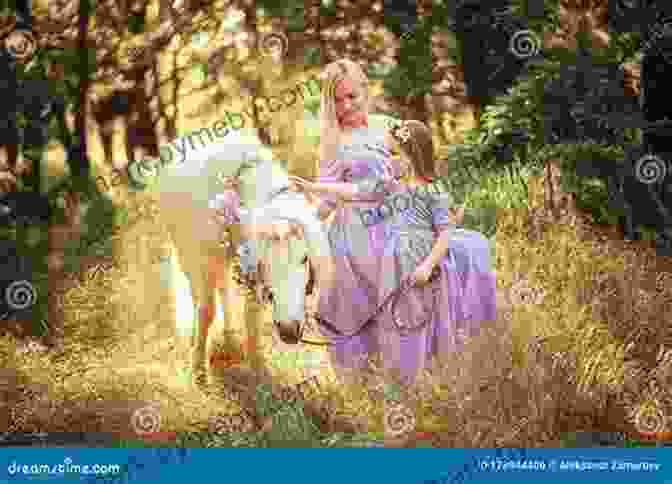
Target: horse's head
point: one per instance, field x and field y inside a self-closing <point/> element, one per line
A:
<point x="289" y="270"/>
<point x="284" y="282"/>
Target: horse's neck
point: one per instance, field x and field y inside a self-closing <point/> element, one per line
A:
<point x="259" y="182"/>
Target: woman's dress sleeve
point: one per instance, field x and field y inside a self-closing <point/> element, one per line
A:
<point x="333" y="171"/>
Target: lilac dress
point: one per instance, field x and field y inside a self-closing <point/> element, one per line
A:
<point x="414" y="324"/>
<point x="373" y="255"/>
<point x="346" y="306"/>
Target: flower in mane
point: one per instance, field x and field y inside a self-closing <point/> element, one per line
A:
<point x="401" y="132"/>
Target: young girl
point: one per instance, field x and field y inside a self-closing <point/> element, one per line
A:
<point x="430" y="268"/>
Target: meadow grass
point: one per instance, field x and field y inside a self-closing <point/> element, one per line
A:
<point x="581" y="342"/>
<point x="582" y="346"/>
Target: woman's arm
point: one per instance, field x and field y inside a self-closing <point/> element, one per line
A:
<point x="342" y="189"/>
<point x="330" y="172"/>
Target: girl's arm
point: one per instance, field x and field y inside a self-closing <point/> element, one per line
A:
<point x="342" y="189"/>
<point x="445" y="220"/>
<point x="440" y="249"/>
<point x="346" y="190"/>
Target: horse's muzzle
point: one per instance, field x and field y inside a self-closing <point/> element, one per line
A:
<point x="290" y="332"/>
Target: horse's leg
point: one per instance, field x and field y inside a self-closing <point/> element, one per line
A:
<point x="253" y="312"/>
<point x="194" y="260"/>
<point x="254" y="317"/>
<point x="221" y="270"/>
<point x="205" y="300"/>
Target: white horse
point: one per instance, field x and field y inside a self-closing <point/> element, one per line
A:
<point x="185" y="192"/>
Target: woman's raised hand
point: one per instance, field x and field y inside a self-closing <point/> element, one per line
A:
<point x="298" y="184"/>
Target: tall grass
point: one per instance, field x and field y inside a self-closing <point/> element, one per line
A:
<point x="554" y="364"/>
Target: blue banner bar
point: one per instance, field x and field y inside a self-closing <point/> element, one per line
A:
<point x="337" y="466"/>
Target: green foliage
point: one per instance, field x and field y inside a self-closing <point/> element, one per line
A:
<point x="544" y="22"/>
<point x="311" y="56"/>
<point x="312" y="105"/>
<point x="327" y="8"/>
<point x="77" y="66"/>
<point x="201" y="71"/>
<point x="32" y="243"/>
<point x="136" y="23"/>
<point x="488" y="171"/>
<point x="100" y="220"/>
<point x="292" y="11"/>
<point x="412" y="76"/>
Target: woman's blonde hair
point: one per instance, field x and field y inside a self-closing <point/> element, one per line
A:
<point x="415" y="140"/>
<point x="329" y="127"/>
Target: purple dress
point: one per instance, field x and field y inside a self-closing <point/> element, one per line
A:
<point x="346" y="306"/>
<point x="378" y="240"/>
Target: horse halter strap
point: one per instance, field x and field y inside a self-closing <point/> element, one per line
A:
<point x="392" y="298"/>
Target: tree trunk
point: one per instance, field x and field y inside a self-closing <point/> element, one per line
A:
<point x="59" y="237"/>
<point x="80" y="123"/>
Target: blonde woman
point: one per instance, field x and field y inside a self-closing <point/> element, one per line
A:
<point x="351" y="151"/>
<point x="418" y="315"/>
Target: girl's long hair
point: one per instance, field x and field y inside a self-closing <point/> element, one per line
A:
<point x="419" y="147"/>
<point x="330" y="130"/>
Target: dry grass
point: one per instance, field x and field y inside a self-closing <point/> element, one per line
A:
<point x="587" y="354"/>
<point x="582" y="344"/>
